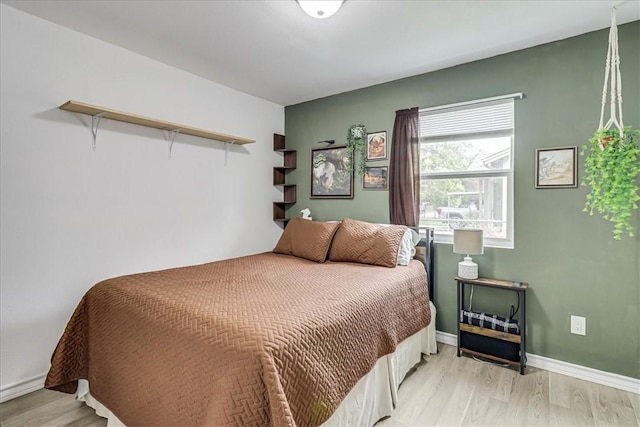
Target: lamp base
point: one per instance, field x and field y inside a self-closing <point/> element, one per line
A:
<point x="467" y="269"/>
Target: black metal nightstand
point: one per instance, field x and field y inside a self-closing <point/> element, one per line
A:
<point x="517" y="342"/>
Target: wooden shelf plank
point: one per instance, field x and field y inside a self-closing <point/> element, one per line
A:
<point x="278" y="142"/>
<point x="490" y="356"/>
<point x="494" y="283"/>
<point x="504" y="336"/>
<point x="92" y="110"/>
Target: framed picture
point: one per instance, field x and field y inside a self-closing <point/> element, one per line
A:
<point x="557" y="167"/>
<point x="376" y="178"/>
<point x="330" y="174"/>
<point x="377" y="145"/>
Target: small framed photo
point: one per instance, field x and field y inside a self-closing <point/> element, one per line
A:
<point x="377" y="145"/>
<point x="557" y="167"/>
<point x="330" y="174"/>
<point x="376" y="178"/>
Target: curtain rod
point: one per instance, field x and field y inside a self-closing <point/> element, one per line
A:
<point x="518" y="95"/>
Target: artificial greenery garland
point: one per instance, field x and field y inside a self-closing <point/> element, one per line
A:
<point x="356" y="141"/>
<point x="611" y="167"/>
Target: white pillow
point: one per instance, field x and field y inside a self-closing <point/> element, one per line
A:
<point x="407" y="245"/>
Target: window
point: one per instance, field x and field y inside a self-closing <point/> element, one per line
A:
<point x="466" y="169"/>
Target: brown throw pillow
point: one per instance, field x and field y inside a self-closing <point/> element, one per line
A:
<point x="307" y="239"/>
<point x="366" y="243"/>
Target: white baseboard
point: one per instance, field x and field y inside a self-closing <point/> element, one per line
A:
<point x="621" y="382"/>
<point x="11" y="391"/>
<point x="447" y="338"/>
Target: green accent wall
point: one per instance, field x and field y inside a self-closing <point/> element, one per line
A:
<point x="569" y="258"/>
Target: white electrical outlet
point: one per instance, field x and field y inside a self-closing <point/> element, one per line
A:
<point x="578" y="325"/>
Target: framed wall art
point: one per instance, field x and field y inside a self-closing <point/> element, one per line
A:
<point x="375" y="178"/>
<point x="377" y="145"/>
<point x="557" y="167"/>
<point x="331" y="177"/>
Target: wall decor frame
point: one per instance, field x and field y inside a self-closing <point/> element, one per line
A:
<point x="375" y="178"/>
<point x="331" y="177"/>
<point x="377" y="145"/>
<point x="556" y="167"/>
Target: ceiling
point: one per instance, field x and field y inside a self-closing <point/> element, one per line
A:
<point x="272" y="50"/>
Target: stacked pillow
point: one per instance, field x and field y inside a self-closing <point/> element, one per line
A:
<point x="348" y="241"/>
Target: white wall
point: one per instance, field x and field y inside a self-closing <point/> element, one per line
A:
<point x="71" y="217"/>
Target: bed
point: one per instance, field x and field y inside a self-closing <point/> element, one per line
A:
<point x="281" y="338"/>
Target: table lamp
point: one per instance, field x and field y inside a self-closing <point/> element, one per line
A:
<point x="467" y="241"/>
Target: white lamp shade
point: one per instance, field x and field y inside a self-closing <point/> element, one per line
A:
<point x="467" y="241"/>
<point x="320" y="9"/>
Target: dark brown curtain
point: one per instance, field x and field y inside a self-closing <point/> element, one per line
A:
<point x="404" y="169"/>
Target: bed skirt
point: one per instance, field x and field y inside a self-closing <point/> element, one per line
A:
<point x="371" y="399"/>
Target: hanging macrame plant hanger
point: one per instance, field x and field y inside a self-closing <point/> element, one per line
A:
<point x="612" y="76"/>
<point x="611" y="165"/>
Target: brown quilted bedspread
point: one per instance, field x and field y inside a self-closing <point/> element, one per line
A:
<point x="260" y="340"/>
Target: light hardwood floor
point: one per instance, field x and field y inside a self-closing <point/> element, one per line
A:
<point x="443" y="390"/>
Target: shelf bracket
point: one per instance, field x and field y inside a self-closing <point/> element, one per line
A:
<point x="95" y="123"/>
<point x="226" y="149"/>
<point x="172" y="137"/>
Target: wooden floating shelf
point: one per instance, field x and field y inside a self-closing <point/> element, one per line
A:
<point x="279" y="175"/>
<point x="107" y="113"/>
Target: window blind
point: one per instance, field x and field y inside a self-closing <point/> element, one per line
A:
<point x="483" y="117"/>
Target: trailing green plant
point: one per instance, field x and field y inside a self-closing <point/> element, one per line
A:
<point x="356" y="142"/>
<point x="611" y="165"/>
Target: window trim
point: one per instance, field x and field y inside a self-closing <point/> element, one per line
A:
<point x="446" y="237"/>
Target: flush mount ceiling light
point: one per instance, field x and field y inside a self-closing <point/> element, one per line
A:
<point x="320" y="9"/>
